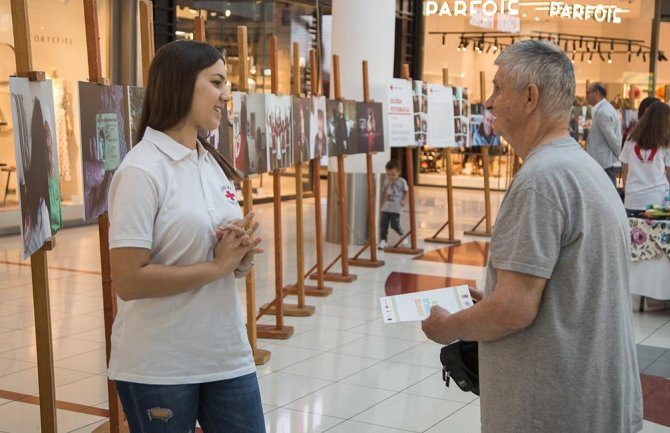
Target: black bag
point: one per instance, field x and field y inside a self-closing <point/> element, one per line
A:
<point x="460" y="362"/>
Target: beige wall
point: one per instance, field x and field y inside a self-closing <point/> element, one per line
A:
<point x="64" y="19"/>
<point x="464" y="67"/>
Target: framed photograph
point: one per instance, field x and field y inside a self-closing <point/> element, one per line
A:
<point x="104" y="142"/>
<point x="370" y="127"/>
<point x="36" y="153"/>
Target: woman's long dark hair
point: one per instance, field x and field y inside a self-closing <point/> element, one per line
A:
<point x="38" y="173"/>
<point x="169" y="91"/>
<point x="653" y="130"/>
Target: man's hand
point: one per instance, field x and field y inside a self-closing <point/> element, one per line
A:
<point x="403" y="202"/>
<point x="434" y="327"/>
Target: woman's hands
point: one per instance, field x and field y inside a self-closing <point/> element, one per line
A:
<point x="237" y="245"/>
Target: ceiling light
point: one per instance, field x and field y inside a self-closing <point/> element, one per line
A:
<point x="609" y="58"/>
<point x="228" y="12"/>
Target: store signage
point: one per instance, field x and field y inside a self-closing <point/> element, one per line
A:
<point x="500" y="22"/>
<point x="598" y="12"/>
<point x="462" y="8"/>
<point x="58" y="40"/>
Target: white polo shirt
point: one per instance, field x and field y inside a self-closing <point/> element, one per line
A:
<point x="166" y="198"/>
<point x="646" y="181"/>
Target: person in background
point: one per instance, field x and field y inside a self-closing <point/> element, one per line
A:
<point x="646" y="159"/>
<point x="393" y="199"/>
<point x="646" y="102"/>
<point x="177" y="239"/>
<point x="484" y="135"/>
<point x="604" y="140"/>
<point x="555" y="328"/>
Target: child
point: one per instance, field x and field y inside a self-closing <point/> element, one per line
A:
<point x="393" y="199"/>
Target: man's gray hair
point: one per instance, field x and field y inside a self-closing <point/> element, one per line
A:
<point x="543" y="64"/>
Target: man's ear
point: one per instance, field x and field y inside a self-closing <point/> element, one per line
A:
<point x="532" y="98"/>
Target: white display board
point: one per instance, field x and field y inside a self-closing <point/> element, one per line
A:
<point x="400" y="113"/>
<point x="441" y="128"/>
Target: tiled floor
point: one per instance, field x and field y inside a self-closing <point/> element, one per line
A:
<point x="344" y="371"/>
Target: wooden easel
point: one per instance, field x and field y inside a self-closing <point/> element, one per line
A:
<point x="38" y="261"/>
<point x="260" y="356"/>
<point x="279" y="330"/>
<point x="319" y="289"/>
<point x="372" y="262"/>
<point x="487" y="186"/>
<point x="116" y="418"/>
<point x="344" y="276"/>
<point x="300" y="309"/>
<point x="451" y="240"/>
<point x="409" y="157"/>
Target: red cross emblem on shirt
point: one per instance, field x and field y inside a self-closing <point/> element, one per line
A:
<point x="230" y="195"/>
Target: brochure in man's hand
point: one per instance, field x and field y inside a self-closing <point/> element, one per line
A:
<point x="411" y="307"/>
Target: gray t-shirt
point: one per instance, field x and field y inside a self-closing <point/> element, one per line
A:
<point x="574" y="369"/>
<point x="393" y="192"/>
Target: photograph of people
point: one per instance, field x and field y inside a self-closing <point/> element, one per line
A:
<point x="319" y="141"/>
<point x="256" y="135"/>
<point x="301" y="129"/>
<point x="338" y="132"/>
<point x="482" y="134"/>
<point x="370" y="127"/>
<point x="179" y="341"/>
<point x="240" y="143"/>
<point x="279" y="133"/>
<point x="101" y="108"/>
<point x="37" y="162"/>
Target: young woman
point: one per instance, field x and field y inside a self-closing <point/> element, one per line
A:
<point x="646" y="159"/>
<point x="179" y="345"/>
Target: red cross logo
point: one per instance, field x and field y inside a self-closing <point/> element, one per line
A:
<point x="230" y="195"/>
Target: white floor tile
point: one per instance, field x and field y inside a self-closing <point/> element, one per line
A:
<point x="291" y="421"/>
<point x="89" y="392"/>
<point x="15" y="339"/>
<point x="279" y="389"/>
<point x="18" y="417"/>
<point x="434" y="387"/>
<point x="9" y="366"/>
<point x="392" y="330"/>
<point x="376" y="347"/>
<point x="660" y="338"/>
<point x="93" y="362"/>
<point x="391" y="376"/>
<point x="359" y="427"/>
<point x="409" y="412"/>
<point x="330" y="366"/>
<point x="650" y="427"/>
<point x="321" y="339"/>
<point x="26" y="382"/>
<point x="426" y="354"/>
<point x="340" y="400"/>
<point x="651" y="319"/>
<point x="465" y="420"/>
<point x="282" y="356"/>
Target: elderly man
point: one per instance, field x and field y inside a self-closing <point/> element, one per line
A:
<point x="557" y="347"/>
<point x="604" y="140"/>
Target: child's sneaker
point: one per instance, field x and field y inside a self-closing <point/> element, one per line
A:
<point x="382" y="245"/>
<point x="405" y="243"/>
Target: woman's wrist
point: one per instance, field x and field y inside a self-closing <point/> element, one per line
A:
<point x="244" y="270"/>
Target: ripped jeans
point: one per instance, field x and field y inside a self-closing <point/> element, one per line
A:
<point x="225" y="406"/>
